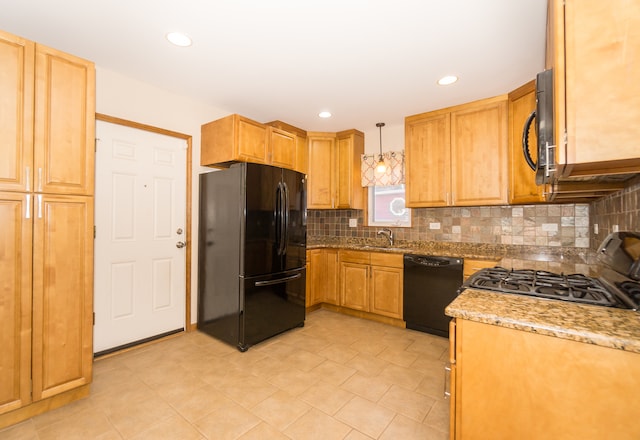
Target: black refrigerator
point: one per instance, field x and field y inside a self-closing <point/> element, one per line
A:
<point x="252" y="246"/>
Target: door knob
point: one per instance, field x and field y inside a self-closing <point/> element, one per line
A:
<point x="180" y="244"/>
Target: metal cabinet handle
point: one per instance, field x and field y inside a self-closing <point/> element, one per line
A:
<point x="180" y="244"/>
<point x="447" y="388"/>
<point x="39" y="205"/>
<point x="27" y="213"/>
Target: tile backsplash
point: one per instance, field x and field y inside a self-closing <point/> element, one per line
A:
<point x="528" y="225"/>
<point x="621" y="209"/>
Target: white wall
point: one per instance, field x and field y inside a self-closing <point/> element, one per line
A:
<point x="127" y="98"/>
<point x="392" y="138"/>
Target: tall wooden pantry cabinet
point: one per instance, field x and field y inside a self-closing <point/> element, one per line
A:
<point x="47" y="132"/>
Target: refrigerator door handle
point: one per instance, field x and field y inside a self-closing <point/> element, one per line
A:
<point x="278" y="214"/>
<point x="278" y="281"/>
<point x="285" y="218"/>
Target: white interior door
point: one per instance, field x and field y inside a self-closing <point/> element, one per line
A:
<point x="140" y="220"/>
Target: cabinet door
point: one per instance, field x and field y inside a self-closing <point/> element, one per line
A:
<point x="479" y="153"/>
<point x="15" y="298"/>
<point x="522" y="182"/>
<point x="16" y="108"/>
<point x="332" y="275"/>
<point x="315" y="276"/>
<point x="428" y="160"/>
<point x="386" y="291"/>
<point x="283" y="147"/>
<point x="64" y="136"/>
<point x="320" y="193"/>
<point x="251" y="141"/>
<point x="354" y="285"/>
<point x="349" y="148"/>
<point x="62" y="293"/>
<point x="302" y="155"/>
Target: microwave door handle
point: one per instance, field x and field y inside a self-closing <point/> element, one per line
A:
<point x="525" y="141"/>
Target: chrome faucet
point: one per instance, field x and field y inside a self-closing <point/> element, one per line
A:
<point x="387" y="233"/>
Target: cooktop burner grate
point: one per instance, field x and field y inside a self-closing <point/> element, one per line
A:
<point x="542" y="284"/>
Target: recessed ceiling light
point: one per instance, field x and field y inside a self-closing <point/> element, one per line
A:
<point x="179" y="39"/>
<point x="446" y="80"/>
<point x="324" y="114"/>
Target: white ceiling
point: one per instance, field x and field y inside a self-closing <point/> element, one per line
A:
<point x="364" y="60"/>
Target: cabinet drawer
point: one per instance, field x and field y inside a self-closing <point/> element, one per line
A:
<point x="385" y="259"/>
<point x="354" y="256"/>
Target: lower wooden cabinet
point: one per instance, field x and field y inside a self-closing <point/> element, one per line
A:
<point x="386" y="284"/>
<point x="371" y="282"/>
<point x="322" y="277"/>
<point x="512" y="384"/>
<point x="46" y="292"/>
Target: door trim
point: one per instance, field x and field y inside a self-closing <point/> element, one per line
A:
<point x="188" y="138"/>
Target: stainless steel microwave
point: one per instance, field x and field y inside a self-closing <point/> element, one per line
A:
<point x="543" y="117"/>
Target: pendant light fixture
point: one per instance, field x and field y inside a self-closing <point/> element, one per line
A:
<point x="380" y="166"/>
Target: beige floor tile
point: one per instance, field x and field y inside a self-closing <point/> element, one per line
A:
<point x="399" y="357"/>
<point x="263" y="431"/>
<point x="433" y="385"/>
<point x="408" y="403"/>
<point x="200" y="402"/>
<point x="438" y="417"/>
<point x="357" y="435"/>
<point x="320" y="381"/>
<point x="87" y="424"/>
<point x="248" y="391"/>
<point x="304" y="360"/>
<point x="130" y="420"/>
<point x="338" y="353"/>
<point x="327" y="397"/>
<point x="372" y="346"/>
<point x="367" y="364"/>
<point x="408" y="378"/>
<point x="407" y="429"/>
<point x="227" y="423"/>
<point x="280" y="409"/>
<point x="334" y="372"/>
<point x="365" y="416"/>
<point x="170" y="429"/>
<point x="294" y="381"/>
<point x="22" y="431"/>
<point x="56" y="415"/>
<point x="316" y="425"/>
<point x="369" y="387"/>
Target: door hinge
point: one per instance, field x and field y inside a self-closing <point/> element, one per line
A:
<point x="95" y="145"/>
<point x="94" y="231"/>
<point x="94" y="318"/>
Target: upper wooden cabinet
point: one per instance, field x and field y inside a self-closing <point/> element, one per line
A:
<point x="235" y="138"/>
<point x="522" y="182"/>
<point x="334" y="170"/>
<point x="301" y="154"/>
<point x="458" y="155"/>
<point x="593" y="48"/>
<point x="47" y="132"/>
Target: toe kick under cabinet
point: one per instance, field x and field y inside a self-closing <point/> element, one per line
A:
<point x="46" y="227"/>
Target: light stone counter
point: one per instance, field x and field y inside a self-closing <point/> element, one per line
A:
<point x="604" y="326"/>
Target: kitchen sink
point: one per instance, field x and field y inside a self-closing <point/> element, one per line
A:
<point x="383" y="248"/>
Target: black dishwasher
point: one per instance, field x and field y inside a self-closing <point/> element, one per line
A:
<point x="430" y="284"/>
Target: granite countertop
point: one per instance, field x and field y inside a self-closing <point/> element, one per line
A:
<point x="553" y="259"/>
<point x="604" y="326"/>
